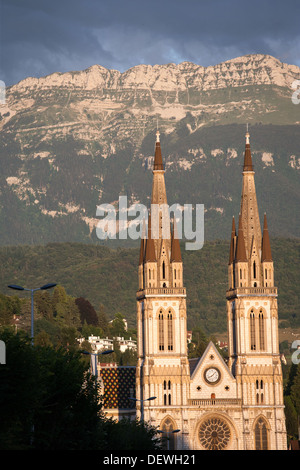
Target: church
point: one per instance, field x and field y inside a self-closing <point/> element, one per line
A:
<point x="207" y="403"/>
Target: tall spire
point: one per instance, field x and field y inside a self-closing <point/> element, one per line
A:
<point x="247" y="158"/>
<point x="240" y="248"/>
<point x="158" y="162"/>
<point x="150" y="248"/>
<point x="266" y="246"/>
<point x="175" y="246"/>
<point x="143" y="244"/>
<point x="233" y="235"/>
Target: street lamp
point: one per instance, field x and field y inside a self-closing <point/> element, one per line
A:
<point x="45" y="287"/>
<point x="167" y="436"/>
<point x="95" y="357"/>
<point x="142" y="404"/>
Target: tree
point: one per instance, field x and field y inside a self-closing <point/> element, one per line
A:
<point x="65" y="310"/>
<point x="43" y="304"/>
<point x="295" y="391"/>
<point x="132" y="435"/>
<point x="199" y="343"/>
<point x="102" y="320"/>
<point x="291" y="418"/>
<point x="117" y="327"/>
<point x="50" y="401"/>
<point x="87" y="312"/>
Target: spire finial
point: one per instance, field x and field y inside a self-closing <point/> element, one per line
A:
<point x="247" y="158"/>
<point x="247" y="136"/>
<point x="158" y="163"/>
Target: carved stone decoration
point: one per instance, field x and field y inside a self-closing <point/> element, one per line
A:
<point x="214" y="434"/>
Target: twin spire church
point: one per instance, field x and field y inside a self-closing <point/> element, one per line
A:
<point x="212" y="404"/>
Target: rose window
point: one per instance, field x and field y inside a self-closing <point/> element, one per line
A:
<point x="214" y="434"/>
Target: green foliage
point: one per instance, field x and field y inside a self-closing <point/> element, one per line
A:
<point x="292" y="401"/>
<point x="132" y="435"/>
<point x="108" y="278"/>
<point x="49" y="401"/>
<point x="87" y="312"/>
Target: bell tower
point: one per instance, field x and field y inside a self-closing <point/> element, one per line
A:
<point x="162" y="369"/>
<point x="252" y="311"/>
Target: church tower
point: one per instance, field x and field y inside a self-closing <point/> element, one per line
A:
<point x="253" y="343"/>
<point x="162" y="369"/>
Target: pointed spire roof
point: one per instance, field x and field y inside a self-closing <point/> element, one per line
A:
<point x="150" y="248"/>
<point x="266" y="246"/>
<point x="175" y="245"/>
<point x="240" y="248"/>
<point x="233" y="235"/>
<point x="158" y="162"/>
<point x="247" y="158"/>
<point x="143" y="244"/>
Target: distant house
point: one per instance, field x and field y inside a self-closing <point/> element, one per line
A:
<point x="100" y="344"/>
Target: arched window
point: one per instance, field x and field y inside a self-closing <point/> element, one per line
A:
<point x="259" y="392"/>
<point x="254" y="270"/>
<point x="163" y="270"/>
<point x="261" y="330"/>
<point x="252" y="331"/>
<point x="170" y="331"/>
<point x="161" y="345"/>
<point x="167" y="393"/>
<point x="261" y="435"/>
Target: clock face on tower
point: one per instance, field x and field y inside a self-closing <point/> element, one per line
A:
<point x="212" y="375"/>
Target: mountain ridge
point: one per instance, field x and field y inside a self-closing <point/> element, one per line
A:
<point x="69" y="143"/>
<point x="267" y="61"/>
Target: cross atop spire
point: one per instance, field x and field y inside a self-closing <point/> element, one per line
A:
<point x="158" y="162"/>
<point x="247" y="159"/>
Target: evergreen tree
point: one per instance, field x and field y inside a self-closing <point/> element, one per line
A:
<point x="295" y="391"/>
<point x="87" y="312"/>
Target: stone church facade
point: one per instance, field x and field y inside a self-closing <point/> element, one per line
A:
<point x="210" y="403"/>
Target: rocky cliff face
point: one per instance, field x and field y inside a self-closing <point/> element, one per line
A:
<point x="73" y="140"/>
<point x="247" y="70"/>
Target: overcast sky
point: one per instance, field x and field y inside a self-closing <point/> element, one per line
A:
<point x="40" y="37"/>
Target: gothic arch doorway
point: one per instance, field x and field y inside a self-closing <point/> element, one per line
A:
<point x="168" y="436"/>
<point x="261" y="434"/>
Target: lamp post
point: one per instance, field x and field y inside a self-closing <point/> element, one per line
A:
<point x="45" y="287"/>
<point x="167" y="436"/>
<point x="95" y="363"/>
<point x="142" y="404"/>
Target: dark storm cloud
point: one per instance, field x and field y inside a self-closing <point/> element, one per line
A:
<point x="39" y="37"/>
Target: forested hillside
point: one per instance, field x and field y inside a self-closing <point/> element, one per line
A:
<point x="108" y="277"/>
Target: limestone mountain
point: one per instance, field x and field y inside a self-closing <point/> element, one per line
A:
<point x="71" y="141"/>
